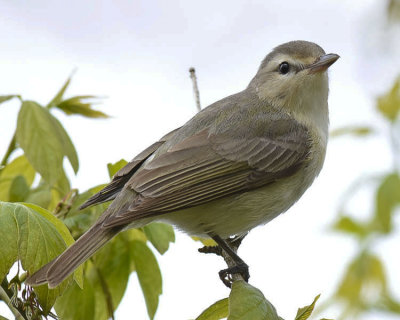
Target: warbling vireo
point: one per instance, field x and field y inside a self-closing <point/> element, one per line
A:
<point x="235" y="165"/>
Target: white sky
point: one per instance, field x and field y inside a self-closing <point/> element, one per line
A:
<point x="137" y="53"/>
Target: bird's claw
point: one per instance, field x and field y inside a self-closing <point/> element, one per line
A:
<point x="226" y="274"/>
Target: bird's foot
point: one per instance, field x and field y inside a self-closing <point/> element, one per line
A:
<point x="226" y="275"/>
<point x="211" y="249"/>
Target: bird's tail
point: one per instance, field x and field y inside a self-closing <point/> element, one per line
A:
<point x="61" y="267"/>
<point x="92" y="240"/>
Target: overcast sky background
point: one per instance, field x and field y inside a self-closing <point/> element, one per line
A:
<point x="137" y="53"/>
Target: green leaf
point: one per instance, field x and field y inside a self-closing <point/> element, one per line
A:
<point x="67" y="145"/>
<point x="348" y="225"/>
<point x="63" y="231"/>
<point x="81" y="105"/>
<point x="389" y="303"/>
<point x="113" y="168"/>
<point x="248" y="302"/>
<point x="77" y="304"/>
<point x="149" y="275"/>
<point x="305" y="312"/>
<point x="6" y="98"/>
<point x="160" y="235"/>
<point x="33" y="236"/>
<point x="18" y="167"/>
<point x="387" y="199"/>
<point x="19" y="189"/>
<point x="389" y="103"/>
<point x="36" y="134"/>
<point x="364" y="278"/>
<point x="106" y="278"/>
<point x="58" y="97"/>
<point x="352" y="130"/>
<point x="41" y="195"/>
<point x="44" y="141"/>
<point x="218" y="310"/>
<point x="113" y="263"/>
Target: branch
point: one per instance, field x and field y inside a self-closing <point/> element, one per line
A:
<point x="195" y="88"/>
<point x="230" y="263"/>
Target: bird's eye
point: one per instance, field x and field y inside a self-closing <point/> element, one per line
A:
<point x="284" y="67"/>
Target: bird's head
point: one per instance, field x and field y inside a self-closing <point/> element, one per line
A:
<point x="293" y="77"/>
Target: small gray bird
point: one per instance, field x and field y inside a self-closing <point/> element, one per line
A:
<point x="237" y="164"/>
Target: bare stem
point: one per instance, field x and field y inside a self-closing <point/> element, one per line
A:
<point x="231" y="263"/>
<point x="5" y="295"/>
<point x="11" y="147"/>
<point x="195" y="88"/>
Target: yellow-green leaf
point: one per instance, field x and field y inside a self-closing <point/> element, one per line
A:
<point x="387" y="199"/>
<point x="149" y="275"/>
<point x="63" y="231"/>
<point x="81" y="105"/>
<point x="18" y="167"/>
<point x="113" y="168"/>
<point x="113" y="263"/>
<point x="218" y="310"/>
<point x="33" y="236"/>
<point x="305" y="312"/>
<point x="44" y="141"/>
<point x="36" y="134"/>
<point x="352" y="130"/>
<point x="106" y="278"/>
<point x="247" y="302"/>
<point x="41" y="195"/>
<point x="66" y="143"/>
<point x="364" y="276"/>
<point x="6" y="98"/>
<point x="58" y="97"/>
<point x="160" y="235"/>
<point x="19" y="189"/>
<point x="389" y="103"/>
<point x="77" y="303"/>
<point x="348" y="225"/>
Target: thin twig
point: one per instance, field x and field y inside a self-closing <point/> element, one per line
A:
<point x="231" y="263"/>
<point x="5" y="295"/>
<point x="195" y="88"/>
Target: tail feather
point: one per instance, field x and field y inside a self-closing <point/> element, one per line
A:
<point x="61" y="267"/>
<point x="92" y="240"/>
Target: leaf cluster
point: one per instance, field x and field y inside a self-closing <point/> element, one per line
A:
<point x="39" y="218"/>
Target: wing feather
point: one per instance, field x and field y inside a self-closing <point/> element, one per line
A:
<point x="208" y="166"/>
<point x="124" y="174"/>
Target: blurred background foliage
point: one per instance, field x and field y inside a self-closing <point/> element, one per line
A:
<point x="365" y="285"/>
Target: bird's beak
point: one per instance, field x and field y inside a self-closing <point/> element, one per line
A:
<point x="323" y="63"/>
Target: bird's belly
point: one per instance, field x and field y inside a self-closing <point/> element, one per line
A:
<point x="237" y="214"/>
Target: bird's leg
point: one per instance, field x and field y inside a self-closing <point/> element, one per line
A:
<point x="237" y="268"/>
